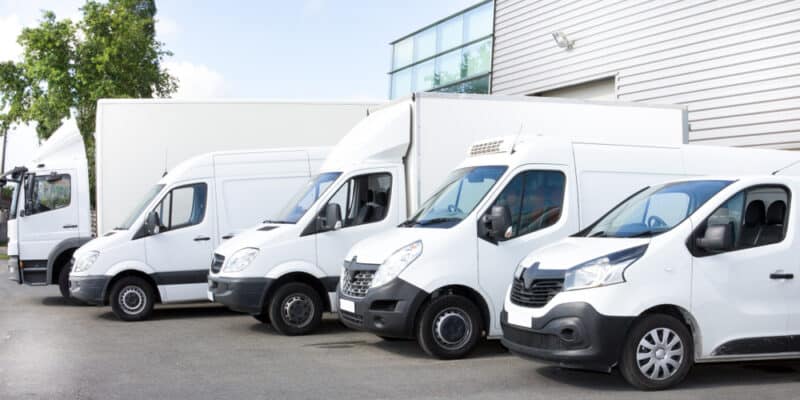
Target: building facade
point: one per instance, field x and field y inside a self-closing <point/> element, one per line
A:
<point x="450" y="55"/>
<point x="734" y="64"/>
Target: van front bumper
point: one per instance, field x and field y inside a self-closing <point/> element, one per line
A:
<point x="90" y="289"/>
<point x="239" y="294"/>
<point x="387" y="310"/>
<point x="572" y="335"/>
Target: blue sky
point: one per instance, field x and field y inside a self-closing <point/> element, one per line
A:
<point x="301" y="49"/>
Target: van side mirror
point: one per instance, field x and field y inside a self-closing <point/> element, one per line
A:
<point x="330" y="218"/>
<point x="152" y="226"/>
<point x="717" y="238"/>
<point x="497" y="224"/>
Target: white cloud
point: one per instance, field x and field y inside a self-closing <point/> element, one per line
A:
<point x="10" y="28"/>
<point x="166" y="26"/>
<point x="196" y="81"/>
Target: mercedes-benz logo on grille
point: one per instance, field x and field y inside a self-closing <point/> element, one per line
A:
<point x="529" y="274"/>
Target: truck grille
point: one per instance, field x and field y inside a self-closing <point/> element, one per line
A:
<point x="356" y="283"/>
<point x="216" y="263"/>
<point x="539" y="294"/>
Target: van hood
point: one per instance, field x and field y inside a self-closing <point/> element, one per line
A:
<point x="257" y="237"/>
<point x="569" y="252"/>
<point x="106" y="242"/>
<point x="377" y="248"/>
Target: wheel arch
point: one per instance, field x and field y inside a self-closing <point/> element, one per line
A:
<point x="60" y="256"/>
<point x="682" y="315"/>
<point x="127" y="273"/>
<point x="302" y="277"/>
<point x="464" y="291"/>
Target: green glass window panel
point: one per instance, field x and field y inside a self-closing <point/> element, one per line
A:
<point x="478" y="58"/>
<point x="449" y="70"/>
<point x="424" y="76"/>
<point x="425" y="44"/>
<point x="401" y="83"/>
<point x="478" y="85"/>
<point x="479" y="22"/>
<point x="451" y="33"/>
<point x="403" y="53"/>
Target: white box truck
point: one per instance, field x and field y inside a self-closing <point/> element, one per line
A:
<point x="161" y="251"/>
<point x="137" y="141"/>
<point x="287" y="272"/>
<point x="442" y="275"/>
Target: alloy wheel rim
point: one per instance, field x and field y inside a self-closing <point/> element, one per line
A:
<point x="132" y="300"/>
<point x="660" y="354"/>
<point x="298" y="310"/>
<point x="452" y="328"/>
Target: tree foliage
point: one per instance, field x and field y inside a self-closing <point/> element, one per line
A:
<point x="112" y="52"/>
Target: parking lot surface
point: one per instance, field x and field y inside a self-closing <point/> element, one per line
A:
<point x="51" y="349"/>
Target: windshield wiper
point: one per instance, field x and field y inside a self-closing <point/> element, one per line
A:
<point x="434" y="221"/>
<point x="120" y="228"/>
<point x="408" y="223"/>
<point x="647" y="233"/>
<point x="270" y="221"/>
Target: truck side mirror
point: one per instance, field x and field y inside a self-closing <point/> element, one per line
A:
<point x="497" y="224"/>
<point x="3" y="181"/>
<point x="717" y="238"/>
<point x="330" y="218"/>
<point x="53" y="177"/>
<point x="152" y="226"/>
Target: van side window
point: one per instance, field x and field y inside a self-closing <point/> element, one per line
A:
<point x="181" y="207"/>
<point x="535" y="199"/>
<point x="50" y="192"/>
<point x="757" y="215"/>
<point x="364" y="199"/>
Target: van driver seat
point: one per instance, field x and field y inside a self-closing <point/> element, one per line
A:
<point x="773" y="231"/>
<point x="754" y="218"/>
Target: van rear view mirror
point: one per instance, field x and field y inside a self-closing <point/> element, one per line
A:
<point x="330" y="218"/>
<point x="717" y="238"/>
<point x="152" y="225"/>
<point x="497" y="224"/>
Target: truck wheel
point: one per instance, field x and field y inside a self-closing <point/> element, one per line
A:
<point x="295" y="309"/>
<point x="63" y="280"/>
<point x="132" y="299"/>
<point x="657" y="354"/>
<point x="449" y="327"/>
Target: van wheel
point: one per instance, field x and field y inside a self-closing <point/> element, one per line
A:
<point x="132" y="299"/>
<point x="295" y="309"/>
<point x="449" y="327"/>
<point x="262" y="317"/>
<point x="658" y="353"/>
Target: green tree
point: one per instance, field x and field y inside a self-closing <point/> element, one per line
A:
<point x="112" y="52"/>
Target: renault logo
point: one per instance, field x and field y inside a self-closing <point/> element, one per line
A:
<point x="529" y="274"/>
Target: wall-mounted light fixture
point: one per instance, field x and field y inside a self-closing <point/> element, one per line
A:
<point x="562" y="40"/>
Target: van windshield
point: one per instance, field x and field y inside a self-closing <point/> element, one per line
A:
<point x="654" y="210"/>
<point x="148" y="197"/>
<point x="456" y="199"/>
<point x="305" y="198"/>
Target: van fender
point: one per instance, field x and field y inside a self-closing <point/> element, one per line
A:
<point x="67" y="244"/>
<point x="296" y="266"/>
<point x="129" y="265"/>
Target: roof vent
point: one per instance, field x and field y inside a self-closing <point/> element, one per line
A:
<point x="488" y="147"/>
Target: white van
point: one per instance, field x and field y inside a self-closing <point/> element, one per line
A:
<point x="441" y="276"/>
<point x="685" y="272"/>
<point x="49" y="217"/>
<point x="161" y="252"/>
<point x="287" y="272"/>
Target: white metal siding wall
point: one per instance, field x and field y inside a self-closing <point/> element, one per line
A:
<point x="734" y="63"/>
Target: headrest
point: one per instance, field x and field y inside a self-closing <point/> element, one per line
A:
<point x="755" y="213"/>
<point x="776" y="212"/>
<point x="382" y="198"/>
<point x="370" y="196"/>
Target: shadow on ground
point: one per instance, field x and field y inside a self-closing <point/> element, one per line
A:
<point x="183" y="312"/>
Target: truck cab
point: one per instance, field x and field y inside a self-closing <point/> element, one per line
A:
<point x="49" y="216"/>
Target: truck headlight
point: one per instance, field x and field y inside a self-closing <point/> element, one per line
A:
<point x="602" y="271"/>
<point x="240" y="260"/>
<point x="396" y="263"/>
<point x="84" y="263"/>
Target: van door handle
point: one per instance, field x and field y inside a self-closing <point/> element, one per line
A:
<point x="781" y="275"/>
<point x="228" y="236"/>
<point x="201" y="238"/>
<point x="70" y="226"/>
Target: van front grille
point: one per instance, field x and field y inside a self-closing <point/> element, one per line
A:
<point x="356" y="283"/>
<point x="538" y="295"/>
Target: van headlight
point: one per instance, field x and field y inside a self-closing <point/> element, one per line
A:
<point x="84" y="263"/>
<point x="396" y="263"/>
<point x="240" y="260"/>
<point x="602" y="271"/>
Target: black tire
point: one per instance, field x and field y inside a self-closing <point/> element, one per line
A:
<point x="263" y="317"/>
<point x="391" y="339"/>
<point x="132" y="299"/>
<point x="295" y="309"/>
<point x="63" y="280"/>
<point x="662" y="366"/>
<point x="449" y="327"/>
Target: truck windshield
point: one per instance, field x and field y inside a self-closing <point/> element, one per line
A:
<point x="456" y="199"/>
<point x="305" y="198"/>
<point x="654" y="210"/>
<point x="148" y="197"/>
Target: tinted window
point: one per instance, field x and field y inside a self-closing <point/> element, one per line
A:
<point x="757" y="216"/>
<point x="534" y="199"/>
<point x="363" y="199"/>
<point x="50" y="192"/>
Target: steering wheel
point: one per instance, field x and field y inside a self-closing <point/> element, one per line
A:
<point x="654" y="221"/>
<point x="452" y="209"/>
